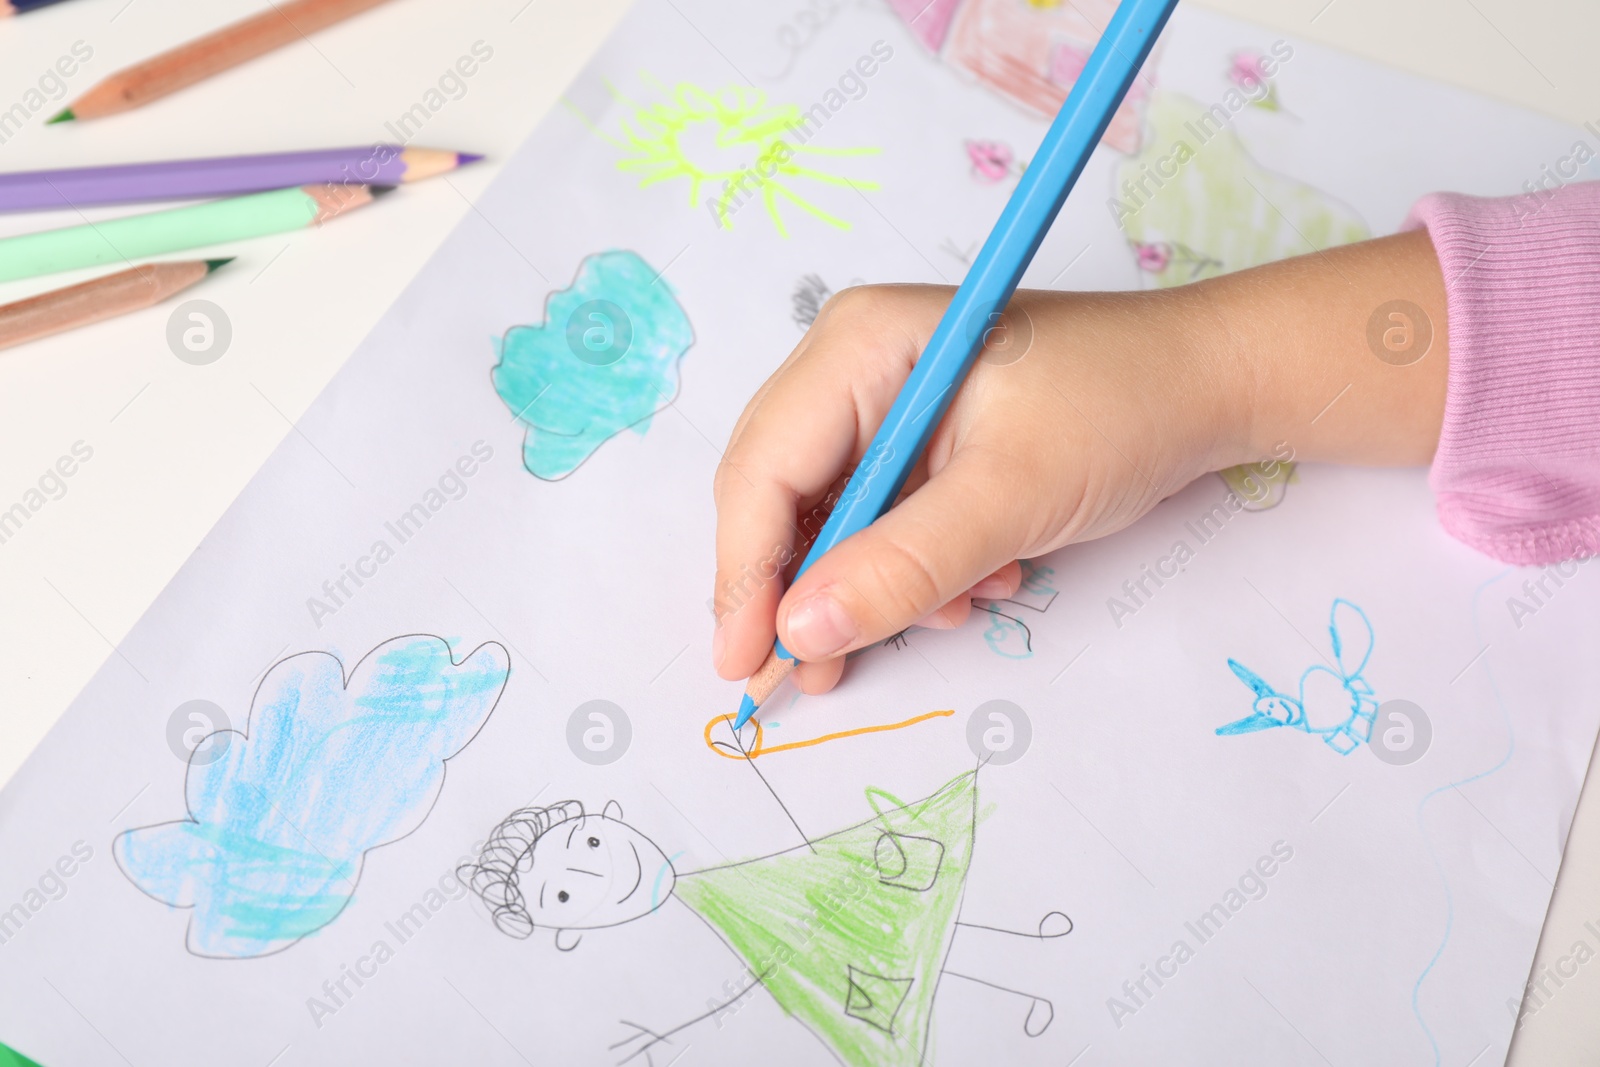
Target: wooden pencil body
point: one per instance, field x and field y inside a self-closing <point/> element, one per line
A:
<point x="160" y="233"/>
<point x="92" y="301"/>
<point x="279" y="25"/>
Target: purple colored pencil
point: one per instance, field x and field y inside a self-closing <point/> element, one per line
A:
<point x="22" y="7"/>
<point x="196" y="179"/>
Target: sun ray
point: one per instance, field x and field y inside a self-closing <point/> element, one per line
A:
<point x="651" y="179"/>
<point x="589" y="123"/>
<point x="616" y="92"/>
<point x="655" y="82"/>
<point x="771" y="205"/>
<point x="864" y="151"/>
<point x="811" y="209"/>
<point x="829" y="179"/>
<point x="754" y="135"/>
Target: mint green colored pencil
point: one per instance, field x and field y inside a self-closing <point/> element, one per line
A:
<point x="139" y="237"/>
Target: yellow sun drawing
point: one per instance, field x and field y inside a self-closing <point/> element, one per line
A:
<point x="734" y="148"/>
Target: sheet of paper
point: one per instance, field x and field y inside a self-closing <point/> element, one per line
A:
<point x="420" y="759"/>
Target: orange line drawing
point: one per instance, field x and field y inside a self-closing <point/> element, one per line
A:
<point x="760" y="749"/>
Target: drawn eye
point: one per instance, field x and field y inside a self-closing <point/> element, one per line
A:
<point x="562" y="896"/>
<point x="594" y="842"/>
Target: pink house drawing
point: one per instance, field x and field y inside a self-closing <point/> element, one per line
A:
<point x="1028" y="51"/>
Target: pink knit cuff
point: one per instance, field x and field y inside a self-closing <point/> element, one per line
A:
<point x="1517" y="474"/>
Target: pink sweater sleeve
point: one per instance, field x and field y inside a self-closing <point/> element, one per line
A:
<point x="1517" y="474"/>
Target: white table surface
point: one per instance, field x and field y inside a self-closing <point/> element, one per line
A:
<point x="173" y="444"/>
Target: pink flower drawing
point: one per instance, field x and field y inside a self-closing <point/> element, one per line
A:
<point x="991" y="160"/>
<point x="1249" y="73"/>
<point x="1153" y="257"/>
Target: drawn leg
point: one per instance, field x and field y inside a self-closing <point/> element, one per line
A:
<point x="1041" y="1013"/>
<point x="643" y="1041"/>
<point x="973" y="938"/>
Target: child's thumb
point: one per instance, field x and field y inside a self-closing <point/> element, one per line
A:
<point x="932" y="547"/>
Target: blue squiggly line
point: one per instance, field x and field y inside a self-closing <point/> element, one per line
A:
<point x="1449" y="899"/>
<point x="655" y="887"/>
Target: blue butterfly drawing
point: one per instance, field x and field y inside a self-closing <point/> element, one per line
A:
<point x="1335" y="704"/>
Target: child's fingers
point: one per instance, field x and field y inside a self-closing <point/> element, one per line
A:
<point x="822" y="675"/>
<point x="775" y="462"/>
<point x="948" y="616"/>
<point x="925" y="552"/>
<point x="808" y="424"/>
<point x="819" y="677"/>
<point x="816" y="415"/>
<point x="755" y="543"/>
<point x="1001" y="584"/>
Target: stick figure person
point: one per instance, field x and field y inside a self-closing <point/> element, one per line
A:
<point x="849" y="933"/>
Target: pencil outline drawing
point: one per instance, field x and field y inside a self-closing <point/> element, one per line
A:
<point x="810" y="293"/>
<point x="850" y="933"/>
<point x="328" y="767"/>
<point x="1004" y="627"/>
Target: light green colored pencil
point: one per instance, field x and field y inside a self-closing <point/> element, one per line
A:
<point x="178" y="229"/>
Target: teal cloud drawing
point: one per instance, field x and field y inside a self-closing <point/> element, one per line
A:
<point x="604" y="360"/>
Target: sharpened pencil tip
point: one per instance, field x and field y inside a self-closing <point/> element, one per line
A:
<point x="463" y="158"/>
<point x="217" y="264"/>
<point x="64" y="115"/>
<point x="747" y="708"/>
<point x="380" y="190"/>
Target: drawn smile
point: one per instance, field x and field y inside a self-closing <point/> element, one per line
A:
<point x="638" y="874"/>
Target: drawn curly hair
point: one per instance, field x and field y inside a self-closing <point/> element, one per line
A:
<point x="506" y="857"/>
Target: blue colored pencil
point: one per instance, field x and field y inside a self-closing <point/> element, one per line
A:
<point x="985" y="292"/>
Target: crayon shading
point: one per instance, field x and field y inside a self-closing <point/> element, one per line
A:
<point x="281" y="817"/>
<point x="604" y="360"/>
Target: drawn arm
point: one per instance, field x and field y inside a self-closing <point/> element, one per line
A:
<point x="1054" y="924"/>
<point x="1351" y="635"/>
<point x="1257" y="684"/>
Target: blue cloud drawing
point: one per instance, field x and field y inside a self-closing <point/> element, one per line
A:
<point x="604" y="360"/>
<point x="282" y="815"/>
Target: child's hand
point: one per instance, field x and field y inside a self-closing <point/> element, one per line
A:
<point x="1120" y="400"/>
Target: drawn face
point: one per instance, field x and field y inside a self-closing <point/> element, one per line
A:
<point x="595" y="871"/>
<point x="1280" y="709"/>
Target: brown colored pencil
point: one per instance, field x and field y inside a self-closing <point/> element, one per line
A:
<point x="103" y="298"/>
<point x="214" y="53"/>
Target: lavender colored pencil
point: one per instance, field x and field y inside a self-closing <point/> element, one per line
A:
<point x="194" y="179"/>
